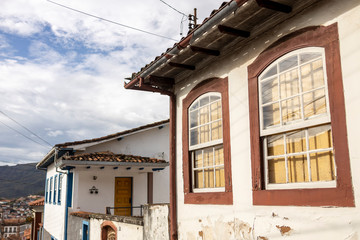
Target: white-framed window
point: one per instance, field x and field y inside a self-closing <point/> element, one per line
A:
<point x="55" y="188"/>
<point x="46" y="190"/>
<point x="50" y="188"/>
<point x="295" y="121"/>
<point x="206" y="143"/>
<point x="59" y="188"/>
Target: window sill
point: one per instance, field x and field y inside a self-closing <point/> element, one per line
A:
<point x="296" y="186"/>
<point x="219" y="198"/>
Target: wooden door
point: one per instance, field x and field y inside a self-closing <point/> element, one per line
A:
<point x="123" y="196"/>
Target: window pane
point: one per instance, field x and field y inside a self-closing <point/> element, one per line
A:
<point x="204" y="134"/>
<point x="296" y="142"/>
<point x="271" y="115"/>
<point x="214" y="98"/>
<point x="194" y="118"/>
<point x="312" y="75"/>
<point x="269" y="90"/>
<point x="194" y="136"/>
<point x="320" y="137"/>
<point x="290" y="110"/>
<point x="288" y="63"/>
<point x="220" y="177"/>
<point x="322" y="166"/>
<point x="208" y="157"/>
<point x="305" y="57"/>
<point x="314" y="103"/>
<point x="204" y="101"/>
<point x="198" y="162"/>
<point x="289" y="84"/>
<point x="277" y="170"/>
<point x="216" y="130"/>
<point x="219" y="156"/>
<point x="204" y="115"/>
<point x="275" y="145"/>
<point x="272" y="71"/>
<point x="215" y="109"/>
<point x="195" y="105"/>
<point x="209" y="177"/>
<point x="298" y="169"/>
<point x="198" y="179"/>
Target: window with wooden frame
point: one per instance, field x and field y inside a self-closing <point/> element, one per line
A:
<point x="206" y="145"/>
<point x="298" y="126"/>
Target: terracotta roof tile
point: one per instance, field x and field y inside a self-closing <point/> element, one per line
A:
<point x="113" y="135"/>
<point x="39" y="202"/>
<point x="111" y="157"/>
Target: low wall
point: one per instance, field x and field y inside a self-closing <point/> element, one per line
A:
<point x="156" y="222"/>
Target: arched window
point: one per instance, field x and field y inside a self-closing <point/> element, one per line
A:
<point x="299" y="148"/>
<point x="206" y="144"/>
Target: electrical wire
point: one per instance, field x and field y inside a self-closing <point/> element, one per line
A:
<point x="25" y="128"/>
<point x="173" y="8"/>
<point x="24" y="135"/>
<point x="183" y="19"/>
<point x="110" y="21"/>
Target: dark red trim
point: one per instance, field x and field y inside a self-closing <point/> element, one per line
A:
<point x="150" y="187"/>
<point x="342" y="195"/>
<point x="211" y="85"/>
<point x="104" y="229"/>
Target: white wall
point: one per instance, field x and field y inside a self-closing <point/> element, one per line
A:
<point x="124" y="230"/>
<point x="242" y="220"/>
<point x="54" y="214"/>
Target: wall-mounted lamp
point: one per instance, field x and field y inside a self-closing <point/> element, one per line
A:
<point x="94" y="190"/>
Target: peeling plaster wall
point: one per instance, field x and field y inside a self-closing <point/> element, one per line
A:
<point x="124" y="230"/>
<point x="243" y="220"/>
<point x="156" y="222"/>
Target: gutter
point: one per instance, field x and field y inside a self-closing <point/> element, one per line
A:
<point x="61" y="163"/>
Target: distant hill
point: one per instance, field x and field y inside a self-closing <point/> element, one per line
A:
<point x="21" y="180"/>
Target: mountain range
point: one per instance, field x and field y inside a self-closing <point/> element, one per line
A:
<point x="21" y="180"/>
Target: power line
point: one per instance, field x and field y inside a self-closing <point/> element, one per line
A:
<point x="173" y="8"/>
<point x="25" y="128"/>
<point x="110" y="21"/>
<point x="23" y="135"/>
<point x="183" y="19"/>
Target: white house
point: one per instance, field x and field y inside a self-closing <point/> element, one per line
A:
<point x="116" y="174"/>
<point x="264" y="121"/>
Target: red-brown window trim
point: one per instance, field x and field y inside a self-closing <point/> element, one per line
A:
<point x="342" y="195"/>
<point x="104" y="229"/>
<point x="219" y="85"/>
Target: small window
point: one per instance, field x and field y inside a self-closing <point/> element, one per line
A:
<point x="55" y="188"/>
<point x="59" y="188"/>
<point x="46" y="190"/>
<point x="50" y="189"/>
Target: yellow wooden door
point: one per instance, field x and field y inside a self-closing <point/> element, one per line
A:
<point x="123" y="186"/>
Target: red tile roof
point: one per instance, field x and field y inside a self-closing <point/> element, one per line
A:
<point x="39" y="202"/>
<point x="112" y="157"/>
<point x="113" y="135"/>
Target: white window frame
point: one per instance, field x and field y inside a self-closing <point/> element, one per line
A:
<point x="301" y="124"/>
<point x="202" y="146"/>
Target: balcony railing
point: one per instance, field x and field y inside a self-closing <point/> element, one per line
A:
<point x="124" y="211"/>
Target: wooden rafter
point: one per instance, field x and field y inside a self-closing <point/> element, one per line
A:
<point x="180" y="65"/>
<point x="274" y="6"/>
<point x="233" y="31"/>
<point x="205" y="51"/>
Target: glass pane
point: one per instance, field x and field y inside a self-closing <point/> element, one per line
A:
<point x="219" y="156"/>
<point x="204" y="115"/>
<point x="198" y="179"/>
<point x="194" y="119"/>
<point x="194" y="106"/>
<point x="305" y="57"/>
<point x="289" y="84"/>
<point x="272" y="71"/>
<point x="208" y="157"/>
<point x="220" y="177"/>
<point x="290" y="110"/>
<point x="271" y="115"/>
<point x="204" y="134"/>
<point x="198" y="161"/>
<point x="209" y="177"/>
<point x="322" y="166"/>
<point x="214" y="98"/>
<point x="312" y="75"/>
<point x="204" y="101"/>
<point x="215" y="109"/>
<point x="296" y="142"/>
<point x="269" y="90"/>
<point x="320" y="137"/>
<point x="288" y="63"/>
<point x="298" y="169"/>
<point x="275" y="145"/>
<point x="277" y="170"/>
<point x="216" y="130"/>
<point x="314" y="103"/>
<point x="194" y="137"/>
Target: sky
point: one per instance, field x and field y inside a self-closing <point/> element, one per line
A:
<point x="62" y="72"/>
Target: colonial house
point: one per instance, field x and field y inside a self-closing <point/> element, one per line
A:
<point x="37" y="209"/>
<point x="90" y="181"/>
<point x="264" y="121"/>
